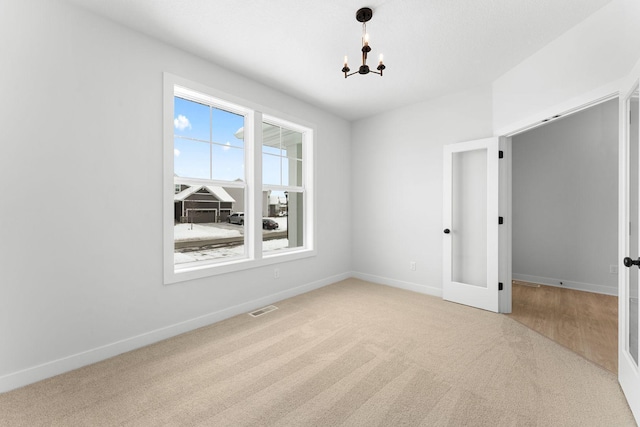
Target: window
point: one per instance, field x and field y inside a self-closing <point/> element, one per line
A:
<point x="282" y="180"/>
<point x="235" y="197"/>
<point x="209" y="169"/>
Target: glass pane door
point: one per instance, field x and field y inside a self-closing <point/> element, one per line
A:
<point x="469" y="218"/>
<point x="470" y="214"/>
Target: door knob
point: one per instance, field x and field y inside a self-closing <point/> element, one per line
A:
<point x="447" y="231"/>
<point x="628" y="262"/>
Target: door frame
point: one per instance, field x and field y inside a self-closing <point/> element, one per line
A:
<point x="506" y="175"/>
<point x="627" y="378"/>
<point x="505" y="232"/>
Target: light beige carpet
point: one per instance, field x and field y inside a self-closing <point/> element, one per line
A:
<point x="352" y="353"/>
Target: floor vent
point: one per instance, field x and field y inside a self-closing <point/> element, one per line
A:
<point x="263" y="310"/>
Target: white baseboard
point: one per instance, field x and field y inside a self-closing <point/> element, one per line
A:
<point x="579" y="286"/>
<point x="428" y="290"/>
<point x="49" y="369"/>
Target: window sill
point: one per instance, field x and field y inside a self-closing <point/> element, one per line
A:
<point x="199" y="272"/>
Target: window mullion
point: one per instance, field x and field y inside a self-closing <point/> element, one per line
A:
<point x="210" y="142"/>
<point x="280" y="159"/>
<point x="254" y="180"/>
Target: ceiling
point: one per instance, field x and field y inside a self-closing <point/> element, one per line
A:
<point x="431" y="47"/>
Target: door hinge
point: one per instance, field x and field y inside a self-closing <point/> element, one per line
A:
<point x="500" y="154"/>
<point x="500" y="220"/>
<point x="500" y="286"/>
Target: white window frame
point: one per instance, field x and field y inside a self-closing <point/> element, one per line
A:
<point x="296" y="189"/>
<point x="254" y="115"/>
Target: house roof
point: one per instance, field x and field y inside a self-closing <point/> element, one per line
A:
<point x="219" y="192"/>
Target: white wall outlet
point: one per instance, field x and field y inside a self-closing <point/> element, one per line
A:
<point x="276" y="273"/>
<point x="613" y="269"/>
<point x="412" y="266"/>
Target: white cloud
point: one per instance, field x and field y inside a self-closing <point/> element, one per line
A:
<point x="226" y="146"/>
<point x="176" y="152"/>
<point x="182" y="123"/>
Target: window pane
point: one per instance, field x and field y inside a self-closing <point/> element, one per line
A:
<point x="281" y="156"/>
<point x="270" y="139"/>
<point x="228" y="163"/>
<point x="292" y="144"/>
<point x="292" y="172"/>
<point x="271" y="145"/>
<point x="271" y="169"/>
<point x="191" y="158"/>
<point x="225" y="125"/>
<point x="271" y="150"/>
<point x="283" y="227"/>
<point x="191" y="119"/>
<point x="208" y="224"/>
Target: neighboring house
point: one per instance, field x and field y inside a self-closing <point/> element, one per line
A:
<point x="277" y="205"/>
<point x="267" y="208"/>
<point x="238" y="196"/>
<point x="206" y="203"/>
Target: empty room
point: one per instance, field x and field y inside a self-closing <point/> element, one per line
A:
<point x="293" y="213"/>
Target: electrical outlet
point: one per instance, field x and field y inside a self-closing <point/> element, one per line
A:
<point x="276" y="273"/>
<point x="412" y="266"/>
<point x="613" y="269"/>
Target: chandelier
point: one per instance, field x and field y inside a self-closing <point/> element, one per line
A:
<point x="363" y="15"/>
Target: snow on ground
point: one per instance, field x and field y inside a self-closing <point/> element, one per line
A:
<point x="225" y="252"/>
<point x="183" y="232"/>
<point x="205" y="231"/>
<point x="282" y="222"/>
<point x="188" y="232"/>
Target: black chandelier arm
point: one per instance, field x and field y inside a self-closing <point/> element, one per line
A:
<point x="356" y="72"/>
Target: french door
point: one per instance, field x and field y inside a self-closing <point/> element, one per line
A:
<point x="629" y="245"/>
<point x="470" y="216"/>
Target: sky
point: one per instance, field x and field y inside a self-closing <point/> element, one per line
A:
<point x="205" y="145"/>
<point x="212" y="151"/>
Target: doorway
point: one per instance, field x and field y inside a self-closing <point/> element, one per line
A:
<point x="564" y="230"/>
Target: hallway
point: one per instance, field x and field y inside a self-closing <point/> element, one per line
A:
<point x="584" y="322"/>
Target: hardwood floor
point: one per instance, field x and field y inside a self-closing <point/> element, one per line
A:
<point x="584" y="322"/>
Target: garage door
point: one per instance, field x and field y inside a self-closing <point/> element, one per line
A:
<point x="201" y="215"/>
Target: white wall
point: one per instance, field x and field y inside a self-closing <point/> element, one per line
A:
<point x="397" y="186"/>
<point x="565" y="201"/>
<point x="81" y="222"/>
<point x="583" y="64"/>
